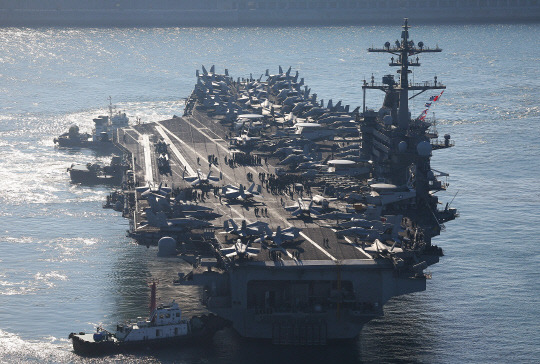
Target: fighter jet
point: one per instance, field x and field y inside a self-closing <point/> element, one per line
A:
<point x="246" y="230"/>
<point x="158" y="202"/>
<point x="280" y="237"/>
<point x="360" y="232"/>
<point x="324" y="202"/>
<point x="240" y="250"/>
<point x="200" y="179"/>
<point x="245" y="140"/>
<point x="338" y="215"/>
<point x="148" y="189"/>
<point x="179" y="224"/>
<point x="239" y="193"/>
<point x="303" y="209"/>
<point x="181" y="209"/>
<point x="358" y="222"/>
<point x="293" y="159"/>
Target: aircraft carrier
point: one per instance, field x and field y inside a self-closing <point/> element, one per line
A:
<point x="301" y="218"/>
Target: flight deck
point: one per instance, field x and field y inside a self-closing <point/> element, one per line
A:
<point x="191" y="140"/>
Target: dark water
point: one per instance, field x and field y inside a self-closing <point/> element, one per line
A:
<point x="66" y="265"/>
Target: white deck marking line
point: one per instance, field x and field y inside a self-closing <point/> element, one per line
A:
<point x="356" y="246"/>
<point x="253" y="169"/>
<point x="212" y="139"/>
<point x="318" y="246"/>
<point x="147" y="159"/>
<point x="175" y="150"/>
<point x="305" y="236"/>
<point x="133" y="129"/>
<point x="190" y="148"/>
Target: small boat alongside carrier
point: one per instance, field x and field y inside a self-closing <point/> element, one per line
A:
<point x="102" y="136"/>
<point x="164" y="327"/>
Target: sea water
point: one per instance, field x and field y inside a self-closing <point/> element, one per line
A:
<point x="66" y="264"/>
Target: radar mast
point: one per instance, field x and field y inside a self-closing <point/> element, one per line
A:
<point x="403" y="50"/>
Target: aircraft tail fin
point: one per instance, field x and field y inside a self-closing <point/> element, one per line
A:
<point x="251" y="188"/>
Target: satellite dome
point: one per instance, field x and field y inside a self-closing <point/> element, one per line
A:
<point x="402" y="146"/>
<point x="166" y="246"/>
<point x="424" y="149"/>
<point x="388" y="120"/>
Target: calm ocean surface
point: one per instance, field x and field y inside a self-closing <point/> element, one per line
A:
<point x="66" y="265"/>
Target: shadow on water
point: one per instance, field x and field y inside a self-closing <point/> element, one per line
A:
<point x="404" y="335"/>
<point x="228" y="347"/>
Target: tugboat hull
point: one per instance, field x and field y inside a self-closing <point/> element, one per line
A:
<point x="104" y="147"/>
<point x="87" y="345"/>
<point x="85" y="176"/>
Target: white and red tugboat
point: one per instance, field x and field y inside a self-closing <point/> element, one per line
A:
<point x="164" y="327"/>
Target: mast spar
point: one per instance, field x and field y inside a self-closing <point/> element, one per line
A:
<point x="403" y="50"/>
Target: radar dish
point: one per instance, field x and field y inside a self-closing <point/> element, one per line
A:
<point x="424" y="149"/>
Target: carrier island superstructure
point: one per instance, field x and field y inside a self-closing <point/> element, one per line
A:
<point x="301" y="218"/>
